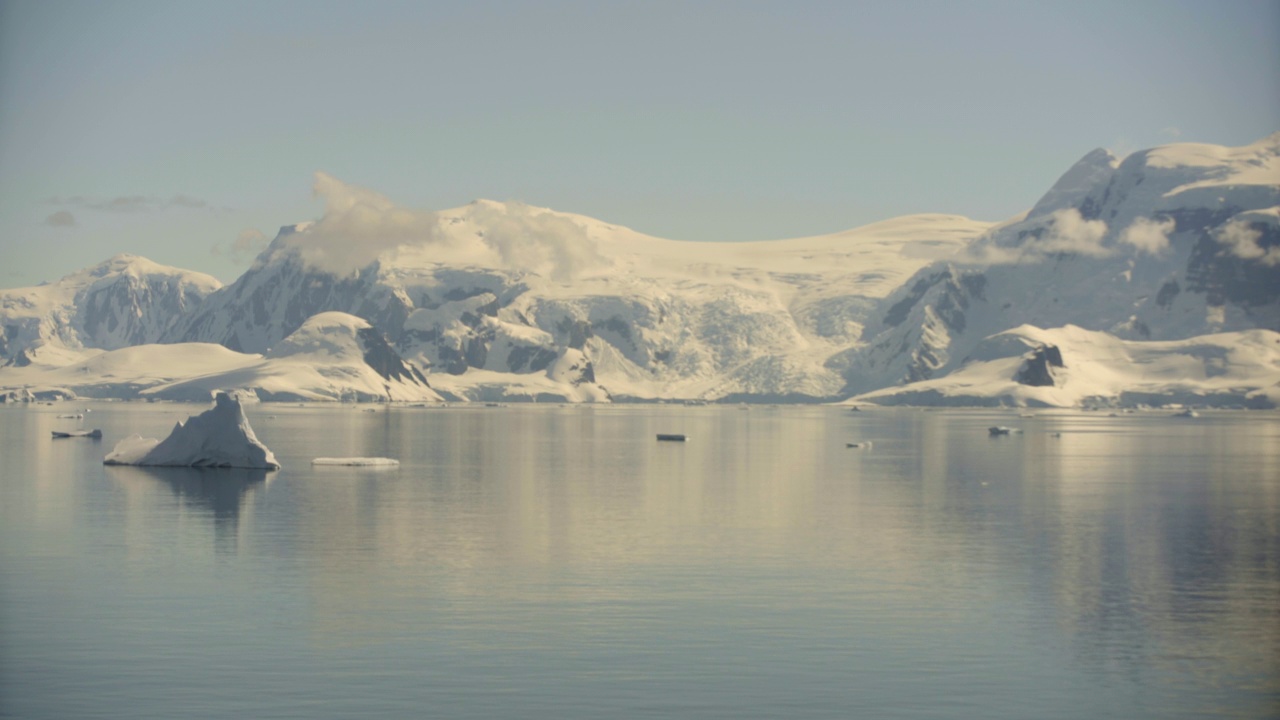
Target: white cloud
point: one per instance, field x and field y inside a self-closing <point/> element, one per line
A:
<point x="530" y="239"/>
<point x="1149" y="236"/>
<point x="1241" y="240"/>
<point x="245" y="247"/>
<point x="1063" y="231"/>
<point x="1069" y="232"/>
<point x="360" y="225"/>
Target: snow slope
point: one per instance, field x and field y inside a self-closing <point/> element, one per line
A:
<point x="1071" y="367"/>
<point x="333" y="356"/>
<point x="129" y="372"/>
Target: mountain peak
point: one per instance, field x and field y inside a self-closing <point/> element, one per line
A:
<point x="1094" y="169"/>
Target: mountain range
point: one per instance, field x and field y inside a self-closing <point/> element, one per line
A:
<point x="1167" y="254"/>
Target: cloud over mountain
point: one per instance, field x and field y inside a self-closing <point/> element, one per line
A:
<point x="360" y="225"/>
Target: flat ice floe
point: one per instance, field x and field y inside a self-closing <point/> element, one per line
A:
<point x="219" y="437"/>
<point x="95" y="433"/>
<point x="356" y="461"/>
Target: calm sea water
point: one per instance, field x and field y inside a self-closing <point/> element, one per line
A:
<point x="549" y="562"/>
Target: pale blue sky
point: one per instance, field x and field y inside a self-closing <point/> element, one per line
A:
<point x="166" y="128"/>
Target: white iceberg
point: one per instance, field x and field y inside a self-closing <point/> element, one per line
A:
<point x="356" y="461"/>
<point x="219" y="437"/>
<point x="95" y="433"/>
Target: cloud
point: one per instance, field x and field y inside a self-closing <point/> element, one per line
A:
<point x="245" y="247"/>
<point x="1064" y="231"/>
<point x="1069" y="232"/>
<point x="61" y="218"/>
<point x="1241" y="239"/>
<point x="131" y="203"/>
<point x="186" y="201"/>
<point x="527" y="238"/>
<point x="1149" y="236"/>
<point x="359" y="226"/>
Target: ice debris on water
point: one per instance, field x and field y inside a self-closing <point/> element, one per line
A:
<point x="356" y="461"/>
<point x="95" y="433"/>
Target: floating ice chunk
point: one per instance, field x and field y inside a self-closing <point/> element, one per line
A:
<point x="356" y="461"/>
<point x="219" y="437"/>
<point x="864" y="445"/>
<point x="996" y="430"/>
<point x="95" y="433"/>
<point x="672" y="437"/>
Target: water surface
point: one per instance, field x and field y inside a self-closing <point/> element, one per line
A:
<point x="558" y="562"/>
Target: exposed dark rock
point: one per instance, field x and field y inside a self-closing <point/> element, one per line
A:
<point x="537" y="358"/>
<point x="1167" y="293"/>
<point x="1037" y="368"/>
<point x="898" y="311"/>
<point x="477" y="352"/>
<point x="459" y="293"/>
<point x="579" y="332"/>
<point x="385" y="360"/>
<point x="616" y="325"/>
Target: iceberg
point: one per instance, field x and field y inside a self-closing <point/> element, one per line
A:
<point x="356" y="461"/>
<point x="95" y="433"/>
<point x="219" y="437"/>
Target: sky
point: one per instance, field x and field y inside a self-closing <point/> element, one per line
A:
<point x="189" y="132"/>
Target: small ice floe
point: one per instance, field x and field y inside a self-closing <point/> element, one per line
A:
<point x="1026" y="415"/>
<point x="672" y="437"/>
<point x="217" y="438"/>
<point x="864" y="445"/>
<point x="77" y="416"/>
<point x="997" y="430"/>
<point x="95" y="433"/>
<point x="356" y="461"/>
<point x="1188" y="413"/>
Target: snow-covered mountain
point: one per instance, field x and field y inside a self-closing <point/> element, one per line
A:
<point x="127" y="300"/>
<point x="1170" y="243"/>
<point x="1071" y="366"/>
<point x="505" y="301"/>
